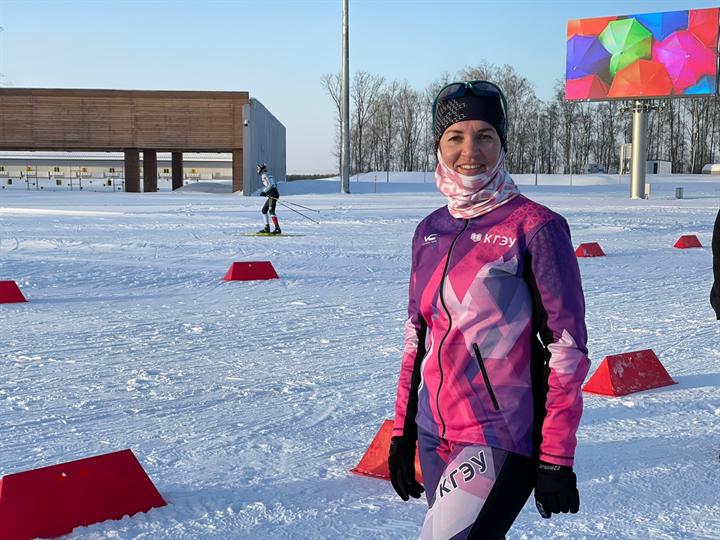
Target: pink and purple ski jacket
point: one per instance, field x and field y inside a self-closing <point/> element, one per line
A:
<point x="473" y="370"/>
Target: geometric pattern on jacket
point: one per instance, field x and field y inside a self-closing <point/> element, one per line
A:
<point x="495" y="345"/>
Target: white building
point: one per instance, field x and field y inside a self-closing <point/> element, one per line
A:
<point x="593" y="168"/>
<point x="658" y="166"/>
<point x="711" y="168"/>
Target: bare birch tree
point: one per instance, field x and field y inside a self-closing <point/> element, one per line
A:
<point x="331" y="84"/>
<point x="364" y="92"/>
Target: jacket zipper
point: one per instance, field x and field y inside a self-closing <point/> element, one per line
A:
<point x="447" y="312"/>
<point x="485" y="376"/>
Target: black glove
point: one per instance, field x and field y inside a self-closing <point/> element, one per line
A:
<point x="556" y="490"/>
<point x="263" y="194"/>
<point x="401" y="462"/>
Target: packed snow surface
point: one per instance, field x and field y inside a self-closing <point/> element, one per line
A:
<point x="248" y="402"/>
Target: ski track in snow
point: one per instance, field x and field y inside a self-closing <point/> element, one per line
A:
<point x="247" y="403"/>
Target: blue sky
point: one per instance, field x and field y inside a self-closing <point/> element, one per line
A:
<point x="278" y="49"/>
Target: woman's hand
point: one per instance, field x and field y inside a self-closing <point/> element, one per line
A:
<point x="556" y="490"/>
<point x="401" y="462"/>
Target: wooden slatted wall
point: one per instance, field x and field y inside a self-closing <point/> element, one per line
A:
<point x="105" y="120"/>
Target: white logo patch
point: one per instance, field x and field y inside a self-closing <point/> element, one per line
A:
<point x="430" y="238"/>
<point x="489" y="238"/>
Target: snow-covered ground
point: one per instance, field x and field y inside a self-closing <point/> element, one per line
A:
<point x="248" y="402"/>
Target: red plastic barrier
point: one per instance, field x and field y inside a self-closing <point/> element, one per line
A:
<point x="247" y="271"/>
<point x="10" y="292"/>
<point x="374" y="462"/>
<point x="589" y="249"/>
<point x="622" y="374"/>
<point x="688" y="241"/>
<point x="52" y="501"/>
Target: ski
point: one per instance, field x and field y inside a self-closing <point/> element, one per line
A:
<point x="268" y="234"/>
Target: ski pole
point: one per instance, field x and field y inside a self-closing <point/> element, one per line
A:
<point x="298" y="205"/>
<point x="291" y="208"/>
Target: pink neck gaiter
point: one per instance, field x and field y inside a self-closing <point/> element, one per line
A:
<point x="472" y="196"/>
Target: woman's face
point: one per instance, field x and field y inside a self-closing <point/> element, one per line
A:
<point x="470" y="147"/>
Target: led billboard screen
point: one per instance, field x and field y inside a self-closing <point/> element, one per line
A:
<point x="673" y="53"/>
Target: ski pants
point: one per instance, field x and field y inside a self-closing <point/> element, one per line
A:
<point x="473" y="491"/>
<point x="269" y="206"/>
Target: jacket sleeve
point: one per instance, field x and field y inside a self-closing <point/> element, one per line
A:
<point x="715" y="292"/>
<point x="560" y="306"/>
<point x="413" y="353"/>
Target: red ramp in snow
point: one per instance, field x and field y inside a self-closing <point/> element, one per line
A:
<point x="248" y="271"/>
<point x="10" y="293"/>
<point x="52" y="501"/>
<point x="589" y="249"/>
<point x="626" y="373"/>
<point x="374" y="462"/>
<point x="688" y="241"/>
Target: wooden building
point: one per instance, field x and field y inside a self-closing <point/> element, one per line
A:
<point x="147" y="122"/>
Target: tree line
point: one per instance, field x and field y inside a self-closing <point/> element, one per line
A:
<point x="391" y="126"/>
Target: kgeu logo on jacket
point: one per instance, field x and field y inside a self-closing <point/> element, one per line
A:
<point x="490" y="238"/>
<point x="430" y="238"/>
<point x="468" y="469"/>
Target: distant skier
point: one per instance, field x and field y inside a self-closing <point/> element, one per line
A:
<point x="715" y="292"/>
<point x="271" y="192"/>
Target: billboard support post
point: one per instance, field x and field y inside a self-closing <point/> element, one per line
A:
<point x="639" y="150"/>
<point x="640" y="109"/>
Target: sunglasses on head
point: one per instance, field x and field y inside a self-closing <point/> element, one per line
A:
<point x="457" y="90"/>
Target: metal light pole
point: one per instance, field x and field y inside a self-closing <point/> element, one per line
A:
<point x="537" y="146"/>
<point x="345" y="91"/>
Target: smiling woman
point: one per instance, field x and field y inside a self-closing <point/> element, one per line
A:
<point x="495" y="338"/>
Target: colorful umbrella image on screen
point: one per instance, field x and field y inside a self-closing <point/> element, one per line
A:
<point x="590" y="87"/>
<point x="628" y="41"/>
<point x="661" y="25"/>
<point x="585" y="56"/>
<point x="672" y="53"/>
<point x="686" y="59"/>
<point x="642" y="78"/>
<point x="704" y="24"/>
<point x="588" y="27"/>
